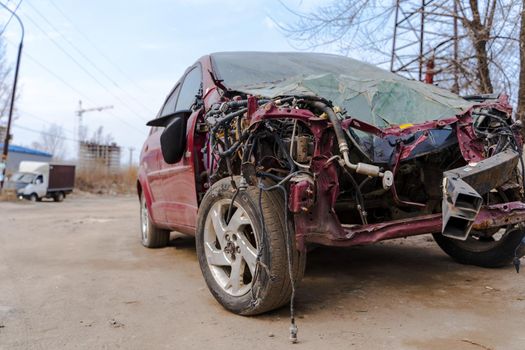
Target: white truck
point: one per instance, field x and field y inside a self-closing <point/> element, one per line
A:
<point x="37" y="180"/>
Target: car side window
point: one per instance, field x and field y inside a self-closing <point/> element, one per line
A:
<point x="191" y="87"/>
<point x="169" y="106"/>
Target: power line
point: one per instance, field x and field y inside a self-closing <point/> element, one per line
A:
<point x="84" y="56"/>
<point x="65" y="138"/>
<point x="63" y="81"/>
<point x="100" y="52"/>
<point x="56" y="76"/>
<point x="10" y="17"/>
<point x="43" y="132"/>
<point x="31" y="115"/>
<point x="72" y="58"/>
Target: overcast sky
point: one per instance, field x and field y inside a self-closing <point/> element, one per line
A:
<point x="132" y="52"/>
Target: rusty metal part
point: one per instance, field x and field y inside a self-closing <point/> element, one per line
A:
<point x="500" y="215"/>
<point x="489" y="173"/>
<point x="320" y="218"/>
<point x="372" y="233"/>
<point x="492" y="216"/>
<point x="301" y="148"/>
<point x="302" y="194"/>
<point x="462" y="188"/>
<point x="461" y="204"/>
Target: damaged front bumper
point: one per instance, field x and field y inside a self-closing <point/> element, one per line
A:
<point x="492" y="216"/>
<point x="462" y="209"/>
<point x="464" y="187"/>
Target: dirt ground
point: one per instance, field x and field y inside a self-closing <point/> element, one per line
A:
<point x="73" y="275"/>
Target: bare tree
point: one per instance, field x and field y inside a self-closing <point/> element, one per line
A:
<point x="5" y="83"/>
<point x="485" y="42"/>
<point x="479" y="30"/>
<point x="521" y="94"/>
<point x="346" y="24"/>
<point x="52" y="141"/>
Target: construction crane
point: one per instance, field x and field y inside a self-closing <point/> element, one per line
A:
<point x="80" y="112"/>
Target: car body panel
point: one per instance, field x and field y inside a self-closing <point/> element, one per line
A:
<point x="152" y="176"/>
<point x="178" y="181"/>
<point x="170" y="189"/>
<point x="173" y="192"/>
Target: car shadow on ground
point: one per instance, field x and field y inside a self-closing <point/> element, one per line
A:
<point x="336" y="276"/>
<point x="181" y="241"/>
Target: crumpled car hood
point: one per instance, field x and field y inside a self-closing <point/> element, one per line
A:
<point x="365" y="91"/>
<point x="378" y="102"/>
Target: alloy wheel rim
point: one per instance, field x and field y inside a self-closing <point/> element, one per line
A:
<point x="230" y="248"/>
<point x="144" y="220"/>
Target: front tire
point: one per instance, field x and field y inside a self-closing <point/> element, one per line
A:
<point x="474" y="251"/>
<point x="151" y="236"/>
<point x="496" y="248"/>
<point x="245" y="269"/>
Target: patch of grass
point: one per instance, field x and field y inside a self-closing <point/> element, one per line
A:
<point x="98" y="180"/>
<point x="8" y="196"/>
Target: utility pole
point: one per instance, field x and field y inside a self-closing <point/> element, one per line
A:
<point x="131" y="149"/>
<point x="80" y="112"/>
<point x="5" y="151"/>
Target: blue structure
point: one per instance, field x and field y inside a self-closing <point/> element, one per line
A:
<point x="20" y="153"/>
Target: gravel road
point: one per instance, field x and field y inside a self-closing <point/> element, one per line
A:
<point x="73" y="275"/>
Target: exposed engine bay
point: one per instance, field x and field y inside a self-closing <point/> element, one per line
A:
<point x="344" y="177"/>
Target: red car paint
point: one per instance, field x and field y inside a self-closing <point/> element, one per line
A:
<point x="172" y="192"/>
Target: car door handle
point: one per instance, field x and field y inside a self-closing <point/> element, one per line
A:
<point x="146" y="148"/>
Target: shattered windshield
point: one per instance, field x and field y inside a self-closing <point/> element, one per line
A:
<point x="365" y="91"/>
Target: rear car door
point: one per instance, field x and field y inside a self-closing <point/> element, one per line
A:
<point x="179" y="178"/>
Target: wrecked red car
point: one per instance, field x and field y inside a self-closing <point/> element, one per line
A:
<point x="263" y="155"/>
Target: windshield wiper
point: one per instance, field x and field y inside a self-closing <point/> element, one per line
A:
<point x="385" y="120"/>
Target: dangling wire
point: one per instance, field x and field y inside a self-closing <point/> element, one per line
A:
<point x="262" y="245"/>
<point x="516" y="261"/>
<point x="289" y="249"/>
<point x="293" y="326"/>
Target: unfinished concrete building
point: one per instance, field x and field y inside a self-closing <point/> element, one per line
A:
<point x="101" y="156"/>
